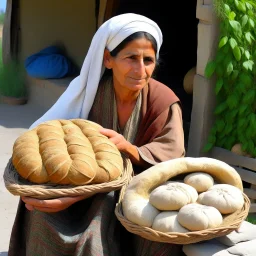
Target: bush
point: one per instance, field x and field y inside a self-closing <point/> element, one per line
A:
<point x="2" y="18"/>
<point x="1" y="60"/>
<point x="12" y="80"/>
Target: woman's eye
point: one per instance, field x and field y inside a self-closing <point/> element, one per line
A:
<point x="148" y="59"/>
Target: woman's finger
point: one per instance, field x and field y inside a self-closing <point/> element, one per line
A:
<point x="49" y="210"/>
<point x="108" y="132"/>
<point x="29" y="207"/>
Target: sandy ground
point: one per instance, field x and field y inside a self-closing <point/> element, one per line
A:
<point x="14" y="120"/>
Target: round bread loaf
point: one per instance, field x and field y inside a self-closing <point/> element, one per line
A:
<point x="172" y="196"/>
<point x="196" y="217"/>
<point x="167" y="222"/>
<point x="200" y="181"/>
<point x="224" y="197"/>
<point x="66" y="152"/>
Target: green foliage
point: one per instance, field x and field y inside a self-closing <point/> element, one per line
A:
<point x="251" y="219"/>
<point x="1" y="60"/>
<point x="2" y="18"/>
<point x="235" y="71"/>
<point x="12" y="82"/>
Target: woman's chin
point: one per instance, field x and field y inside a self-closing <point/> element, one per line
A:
<point x="136" y="86"/>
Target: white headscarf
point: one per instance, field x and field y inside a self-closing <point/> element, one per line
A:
<point x="78" y="98"/>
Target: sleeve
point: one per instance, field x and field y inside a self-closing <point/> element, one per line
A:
<point x="170" y="142"/>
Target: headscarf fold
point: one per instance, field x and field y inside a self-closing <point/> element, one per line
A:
<point x="78" y="98"/>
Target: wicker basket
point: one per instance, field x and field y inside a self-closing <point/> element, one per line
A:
<point x="230" y="223"/>
<point x="18" y="186"/>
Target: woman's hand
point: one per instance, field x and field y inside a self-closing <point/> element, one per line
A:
<point x="51" y="205"/>
<point x="118" y="139"/>
<point x="124" y="146"/>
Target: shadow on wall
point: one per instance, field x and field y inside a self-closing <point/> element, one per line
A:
<point x="3" y="253"/>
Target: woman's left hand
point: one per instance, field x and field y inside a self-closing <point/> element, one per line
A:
<point x="51" y="205"/>
<point x="118" y="139"/>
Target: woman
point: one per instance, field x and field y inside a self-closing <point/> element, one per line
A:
<point x="140" y="115"/>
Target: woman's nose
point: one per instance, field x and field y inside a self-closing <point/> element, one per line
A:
<point x="140" y="67"/>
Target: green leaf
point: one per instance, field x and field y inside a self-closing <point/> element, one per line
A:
<point x="248" y="5"/>
<point x="245" y="79"/>
<point x="208" y="147"/>
<point x="232" y="42"/>
<point x="218" y="86"/>
<point x="241" y="122"/>
<point x="249" y="97"/>
<point x="245" y="147"/>
<point x="212" y="139"/>
<point x="244" y="20"/>
<point x="227" y="9"/>
<point x="248" y="37"/>
<point x="241" y="7"/>
<point x="237" y="53"/>
<point x="231" y="16"/>
<point x="220" y="108"/>
<point x="242" y="49"/>
<point x="247" y="54"/>
<point x="219" y="70"/>
<point x="220" y="124"/>
<point x="253" y="121"/>
<point x="234" y="75"/>
<point x="252" y="23"/>
<point x="250" y="13"/>
<point x="251" y="146"/>
<point x="232" y="101"/>
<point x="242" y="109"/>
<point x="229" y="68"/>
<point x="209" y="69"/>
<point x="230" y="141"/>
<point x="220" y="57"/>
<point x="236" y="27"/>
<point x="223" y="41"/>
<point x="248" y="65"/>
<point x="228" y="128"/>
<point x="234" y="112"/>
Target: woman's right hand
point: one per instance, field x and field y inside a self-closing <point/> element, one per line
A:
<point x="51" y="205"/>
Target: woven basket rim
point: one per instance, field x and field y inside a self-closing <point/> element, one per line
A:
<point x="183" y="238"/>
<point x="18" y="186"/>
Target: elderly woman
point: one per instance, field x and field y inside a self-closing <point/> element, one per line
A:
<point x="139" y="114"/>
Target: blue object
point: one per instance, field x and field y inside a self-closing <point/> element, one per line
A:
<point x="49" y="63"/>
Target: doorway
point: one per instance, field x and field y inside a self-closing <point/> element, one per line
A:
<point x="178" y="53"/>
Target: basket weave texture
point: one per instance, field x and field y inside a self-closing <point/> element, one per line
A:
<point x="230" y="223"/>
<point x="18" y="186"/>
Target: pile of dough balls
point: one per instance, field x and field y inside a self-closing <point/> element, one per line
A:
<point x="194" y="204"/>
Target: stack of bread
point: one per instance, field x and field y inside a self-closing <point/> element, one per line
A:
<point x="67" y="152"/>
<point x="209" y="190"/>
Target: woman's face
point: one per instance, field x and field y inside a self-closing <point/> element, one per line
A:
<point x="133" y="65"/>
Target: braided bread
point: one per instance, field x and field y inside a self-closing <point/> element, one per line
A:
<point x="66" y="152"/>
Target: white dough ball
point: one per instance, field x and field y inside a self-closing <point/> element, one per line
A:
<point x="141" y="212"/>
<point x="197" y="217"/>
<point x="167" y="222"/>
<point x="224" y="197"/>
<point x="172" y="196"/>
<point x="200" y="181"/>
